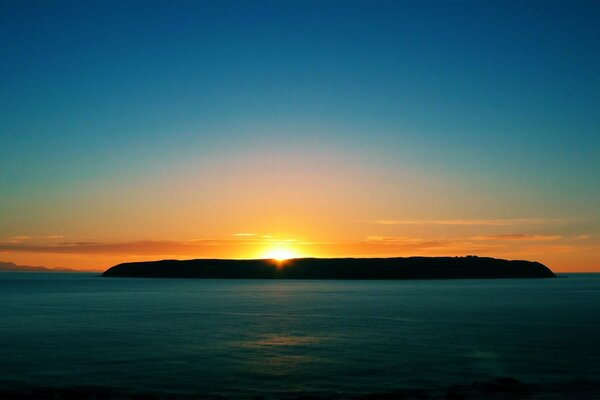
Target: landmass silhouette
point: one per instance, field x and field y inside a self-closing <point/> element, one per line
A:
<point x="335" y="268"/>
<point x="12" y="267"/>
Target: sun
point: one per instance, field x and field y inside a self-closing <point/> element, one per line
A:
<point x="279" y="254"/>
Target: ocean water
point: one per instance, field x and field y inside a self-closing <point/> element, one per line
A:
<point x="245" y="338"/>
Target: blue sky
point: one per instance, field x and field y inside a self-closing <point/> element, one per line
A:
<point x="497" y="100"/>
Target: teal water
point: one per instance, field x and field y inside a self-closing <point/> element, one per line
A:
<point x="242" y="338"/>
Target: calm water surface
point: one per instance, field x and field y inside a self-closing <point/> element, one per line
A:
<point x="246" y="337"/>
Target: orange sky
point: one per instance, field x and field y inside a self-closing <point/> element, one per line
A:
<point x="267" y="198"/>
<point x="562" y="254"/>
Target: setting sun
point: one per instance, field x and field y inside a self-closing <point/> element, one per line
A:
<point x="280" y="254"/>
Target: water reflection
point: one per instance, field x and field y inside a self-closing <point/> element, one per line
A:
<point x="276" y="340"/>
<point x="272" y="355"/>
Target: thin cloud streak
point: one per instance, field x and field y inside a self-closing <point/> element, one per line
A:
<point x="19" y="239"/>
<point x="518" y="237"/>
<point x="30" y="238"/>
<point x="473" y="222"/>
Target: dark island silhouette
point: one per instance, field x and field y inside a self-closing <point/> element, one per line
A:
<point x="12" y="267"/>
<point x="335" y="268"/>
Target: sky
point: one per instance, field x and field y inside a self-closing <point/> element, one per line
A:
<point x="149" y="130"/>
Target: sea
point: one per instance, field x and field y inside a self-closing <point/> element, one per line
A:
<point x="273" y="339"/>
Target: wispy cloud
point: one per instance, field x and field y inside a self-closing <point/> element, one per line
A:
<point x="19" y="238"/>
<point x="421" y="246"/>
<point x="145" y="247"/>
<point x="472" y="222"/>
<point x="518" y="236"/>
<point x="28" y="238"/>
<point x="582" y="237"/>
<point x="197" y="242"/>
<point x="521" y="244"/>
<point x="244" y="234"/>
<point x="409" y="242"/>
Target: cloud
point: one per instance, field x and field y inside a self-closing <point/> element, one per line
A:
<point x="408" y="245"/>
<point x="19" y="238"/>
<point x="582" y="237"/>
<point x="518" y="237"/>
<point x="550" y="249"/>
<point x="510" y="244"/>
<point x="201" y="242"/>
<point x="131" y="248"/>
<point x="244" y="234"/>
<point x="405" y="241"/>
<point x="27" y="238"/>
<point x="472" y="222"/>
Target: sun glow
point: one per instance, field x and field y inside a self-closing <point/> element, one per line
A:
<point x="279" y="254"/>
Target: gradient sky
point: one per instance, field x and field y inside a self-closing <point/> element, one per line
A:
<point x="150" y="130"/>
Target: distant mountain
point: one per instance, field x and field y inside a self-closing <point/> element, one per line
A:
<point x="336" y="268"/>
<point x="12" y="267"/>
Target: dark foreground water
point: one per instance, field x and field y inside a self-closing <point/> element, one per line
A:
<point x="246" y="338"/>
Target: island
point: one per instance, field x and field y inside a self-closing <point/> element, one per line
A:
<point x="12" y="267"/>
<point x="469" y="267"/>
